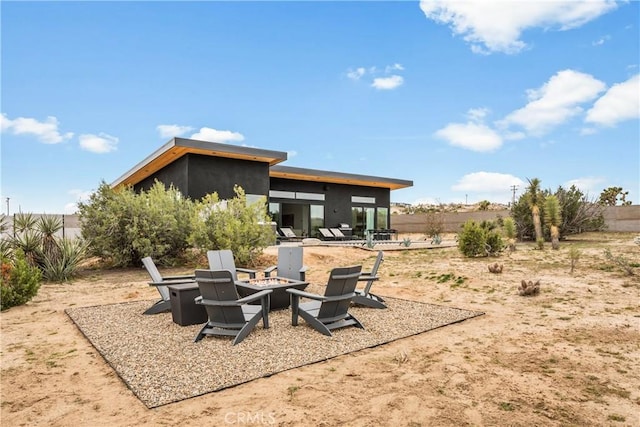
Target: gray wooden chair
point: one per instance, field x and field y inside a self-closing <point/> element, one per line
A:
<point x="328" y="312"/>
<point x="161" y="282"/>
<point x="290" y="264"/>
<point x="229" y="315"/>
<point x="223" y="260"/>
<point x="364" y="296"/>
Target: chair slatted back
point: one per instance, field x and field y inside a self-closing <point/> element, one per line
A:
<point x="222" y="260"/>
<point x="374" y="271"/>
<point x="326" y="233"/>
<point x="290" y="262"/>
<point x="288" y="232"/>
<point x="218" y="285"/>
<point x="156" y="277"/>
<point x="342" y="281"/>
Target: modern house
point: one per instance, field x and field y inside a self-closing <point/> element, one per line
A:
<point x="303" y="199"/>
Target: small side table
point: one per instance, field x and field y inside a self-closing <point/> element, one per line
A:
<point x="184" y="310"/>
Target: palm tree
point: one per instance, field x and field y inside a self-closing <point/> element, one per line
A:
<point x="552" y="213"/>
<point x="536" y="198"/>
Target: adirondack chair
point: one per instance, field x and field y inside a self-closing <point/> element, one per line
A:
<point x="229" y="315"/>
<point x="223" y="260"/>
<point x="290" y="263"/>
<point x="328" y="312"/>
<point x="161" y="282"/>
<point x="364" y="296"/>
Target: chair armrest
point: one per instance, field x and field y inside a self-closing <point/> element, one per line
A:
<point x="252" y="273"/>
<point x="299" y="293"/>
<point x="172" y="282"/>
<point x="234" y="303"/>
<point x="187" y="276"/>
<point x="269" y="270"/>
<point x="367" y="277"/>
<point x="256" y="296"/>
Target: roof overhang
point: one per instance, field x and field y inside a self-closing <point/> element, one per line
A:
<point x="302" y="174"/>
<point x="178" y="147"/>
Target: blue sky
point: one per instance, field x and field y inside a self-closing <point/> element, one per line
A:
<point x="464" y="99"/>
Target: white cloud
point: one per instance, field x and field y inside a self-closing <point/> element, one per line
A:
<point x="492" y="186"/>
<point x="170" y="131"/>
<point x="387" y="83"/>
<point x="477" y="115"/>
<point x="214" y="135"/>
<point x="356" y="74"/>
<point x="395" y="67"/>
<point x="102" y="143"/>
<point x="621" y="102"/>
<point x="291" y="154"/>
<point x="46" y="131"/>
<point x="601" y="41"/>
<point x="556" y="101"/>
<point x="472" y="136"/>
<point x="496" y="26"/>
<point x="588" y="185"/>
<point x="79" y="196"/>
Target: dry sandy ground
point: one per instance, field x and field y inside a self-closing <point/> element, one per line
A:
<point x="569" y="356"/>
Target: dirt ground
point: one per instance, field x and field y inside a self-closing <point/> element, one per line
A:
<point x="569" y="356"/>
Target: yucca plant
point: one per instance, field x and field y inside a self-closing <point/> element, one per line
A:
<point x="48" y="226"/>
<point x="536" y="199"/>
<point x="509" y="229"/>
<point x="29" y="241"/>
<point x="62" y="264"/>
<point x="553" y="216"/>
<point x="24" y="221"/>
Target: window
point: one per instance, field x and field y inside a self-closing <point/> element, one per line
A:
<point x="317" y="218"/>
<point x="363" y="199"/>
<point x="382" y="217"/>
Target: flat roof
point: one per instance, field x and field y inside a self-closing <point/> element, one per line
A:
<point x="178" y="147"/>
<point x="288" y="172"/>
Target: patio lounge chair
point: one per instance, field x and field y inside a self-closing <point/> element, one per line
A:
<point x="326" y="234"/>
<point x="364" y="296"/>
<point x="330" y="311"/>
<point x="161" y="283"/>
<point x="288" y="234"/>
<point x="223" y="260"/>
<point x="290" y="263"/>
<point x="337" y="233"/>
<point x="229" y="315"/>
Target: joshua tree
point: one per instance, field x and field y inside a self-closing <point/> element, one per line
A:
<point x="536" y="198"/>
<point x="553" y="216"/>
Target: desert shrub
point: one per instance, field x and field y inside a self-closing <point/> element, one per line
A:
<point x="471" y="241"/>
<point x="233" y="224"/>
<point x="434" y="222"/>
<point x="479" y="239"/>
<point x="20" y="281"/>
<point x="122" y="226"/>
<point x="57" y="258"/>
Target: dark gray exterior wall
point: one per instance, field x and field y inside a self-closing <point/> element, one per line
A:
<point x="337" y="197"/>
<point x="208" y="174"/>
<point x="173" y="174"/>
<point x="197" y="175"/>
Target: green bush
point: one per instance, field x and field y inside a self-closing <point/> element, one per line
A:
<point x="233" y="224"/>
<point x="479" y="239"/>
<point x="122" y="226"/>
<point x="20" y="281"/>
